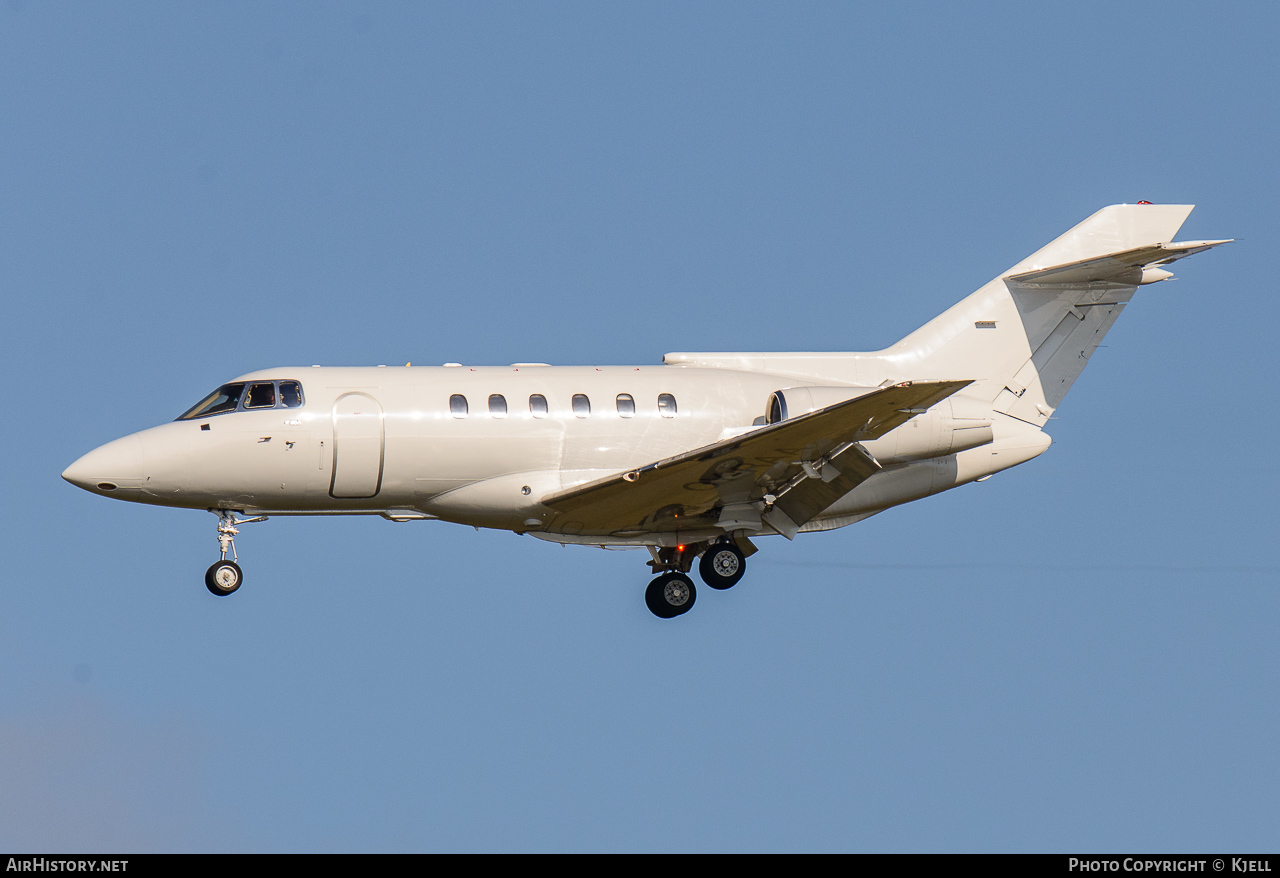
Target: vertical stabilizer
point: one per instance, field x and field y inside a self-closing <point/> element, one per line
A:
<point x="1026" y="336"/>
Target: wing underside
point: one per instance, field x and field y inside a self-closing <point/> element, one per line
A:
<point x="784" y="474"/>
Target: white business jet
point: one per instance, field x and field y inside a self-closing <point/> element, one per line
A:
<point x="694" y="458"/>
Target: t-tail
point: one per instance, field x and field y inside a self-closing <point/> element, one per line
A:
<point x="1027" y="335"/>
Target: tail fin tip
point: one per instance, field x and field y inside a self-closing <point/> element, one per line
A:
<point x="1112" y="229"/>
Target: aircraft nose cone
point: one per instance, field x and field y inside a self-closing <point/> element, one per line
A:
<point x="111" y="468"/>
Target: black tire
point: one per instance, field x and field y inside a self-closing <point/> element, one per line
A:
<point x="670" y="595"/>
<point x="722" y="565"/>
<point x="223" y="578"/>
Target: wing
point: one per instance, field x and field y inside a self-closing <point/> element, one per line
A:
<point x="798" y="467"/>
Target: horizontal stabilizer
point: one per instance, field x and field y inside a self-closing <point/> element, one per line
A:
<point x="1125" y="266"/>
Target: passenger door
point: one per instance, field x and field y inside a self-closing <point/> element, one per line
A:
<point x="359" y="438"/>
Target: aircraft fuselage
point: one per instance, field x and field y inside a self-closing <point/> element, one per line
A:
<point x="395" y="441"/>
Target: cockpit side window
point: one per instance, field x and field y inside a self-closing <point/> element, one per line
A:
<point x="290" y="394"/>
<point x="261" y="396"/>
<point x="222" y="400"/>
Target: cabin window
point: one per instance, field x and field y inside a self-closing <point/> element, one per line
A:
<point x="290" y="394"/>
<point x="458" y="405"/>
<point x="261" y="396"/>
<point x="666" y="405"/>
<point x="538" y="405"/>
<point x="626" y="405"/>
<point x="581" y="405"/>
<point x="497" y="405"/>
<point x="224" y="399"/>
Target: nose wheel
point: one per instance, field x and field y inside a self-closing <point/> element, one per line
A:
<point x="225" y="576"/>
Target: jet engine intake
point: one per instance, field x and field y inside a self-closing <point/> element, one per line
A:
<point x="792" y="402"/>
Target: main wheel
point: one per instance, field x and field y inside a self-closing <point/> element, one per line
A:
<point x="670" y="595"/>
<point x="722" y="565"/>
<point x="223" y="578"/>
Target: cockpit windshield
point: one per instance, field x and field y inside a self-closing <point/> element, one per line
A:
<point x="261" y="395"/>
<point x="224" y="399"/>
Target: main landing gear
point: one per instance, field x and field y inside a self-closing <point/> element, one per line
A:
<point x="224" y="577"/>
<point x="722" y="565"/>
<point x="672" y="593"/>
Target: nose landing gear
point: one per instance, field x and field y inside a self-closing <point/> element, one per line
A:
<point x="224" y="576"/>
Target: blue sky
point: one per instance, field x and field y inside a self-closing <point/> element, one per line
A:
<point x="1077" y="655"/>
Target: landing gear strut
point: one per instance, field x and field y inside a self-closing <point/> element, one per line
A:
<point x="224" y="577"/>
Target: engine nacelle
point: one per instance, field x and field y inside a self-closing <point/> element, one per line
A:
<point x="953" y="425"/>
<point x="935" y="433"/>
